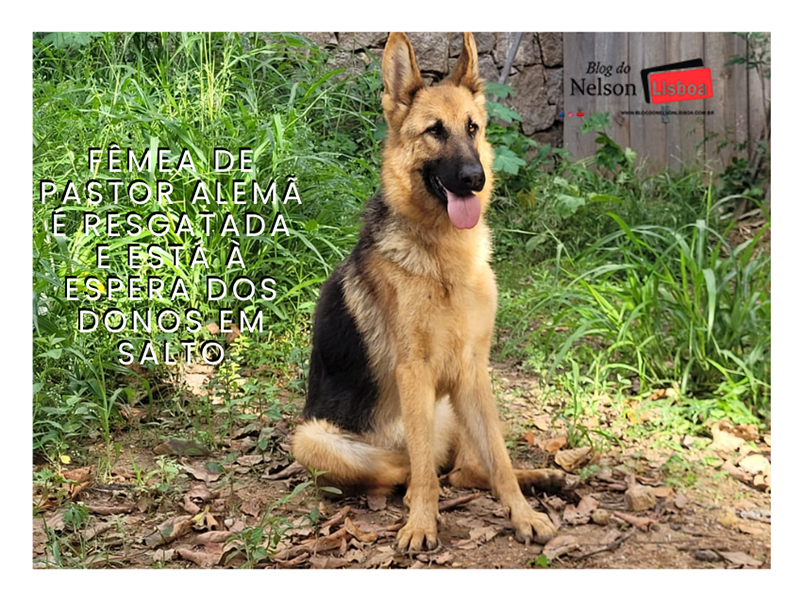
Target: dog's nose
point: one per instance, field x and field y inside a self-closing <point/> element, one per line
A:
<point x="472" y="177"/>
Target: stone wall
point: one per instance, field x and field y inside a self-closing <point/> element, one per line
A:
<point x="537" y="73"/>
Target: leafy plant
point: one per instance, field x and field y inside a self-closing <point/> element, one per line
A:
<point x="274" y="94"/>
<point x="609" y="155"/>
<point x="259" y="542"/>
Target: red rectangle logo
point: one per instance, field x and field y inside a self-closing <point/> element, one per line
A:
<point x="682" y="85"/>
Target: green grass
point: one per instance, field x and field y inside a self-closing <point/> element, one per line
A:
<point x="272" y="94"/>
<point x="669" y="304"/>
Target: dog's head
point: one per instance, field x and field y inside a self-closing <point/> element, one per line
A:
<point x="437" y="161"/>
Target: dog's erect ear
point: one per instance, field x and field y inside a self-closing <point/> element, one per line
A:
<point x="466" y="73"/>
<point x="401" y="77"/>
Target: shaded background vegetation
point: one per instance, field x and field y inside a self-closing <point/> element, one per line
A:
<point x="612" y="282"/>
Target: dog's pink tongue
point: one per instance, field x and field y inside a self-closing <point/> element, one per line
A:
<point x="464" y="211"/>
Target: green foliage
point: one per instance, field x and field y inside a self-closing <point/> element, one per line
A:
<point x="664" y="305"/>
<point x="516" y="156"/>
<point x="258" y="543"/>
<point x="609" y="276"/>
<point x="540" y="561"/>
<point x="757" y="56"/>
<point x="273" y="94"/>
<point x="609" y="154"/>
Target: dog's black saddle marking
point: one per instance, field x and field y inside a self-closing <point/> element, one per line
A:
<point x="341" y="388"/>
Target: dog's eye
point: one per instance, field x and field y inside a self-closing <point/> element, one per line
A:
<point x="472" y="128"/>
<point x="437" y="130"/>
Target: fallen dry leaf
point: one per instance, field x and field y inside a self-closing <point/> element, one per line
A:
<point x="379" y="560"/>
<point x="203" y="559"/>
<point x="554" y="506"/>
<point x="582" y="513"/>
<point x="542" y="422"/>
<point x="571" y="459"/>
<point x="190" y="507"/>
<point x="245" y="444"/>
<point x="110" y="509"/>
<point x="56" y="520"/>
<point x="337" y="518"/>
<point x="77" y="480"/>
<point x="196" y="497"/>
<point x="210" y="522"/>
<point x="355" y="555"/>
<point x="755" y="464"/>
<point x="662" y="492"/>
<point x="232" y="334"/>
<point x="169" y="530"/>
<point x="762" y="482"/>
<point x="252" y="506"/>
<point x="293" y="469"/>
<point x="748" y="432"/>
<point x="215" y="536"/>
<point x="96" y="530"/>
<point x="250" y="460"/>
<point x="364" y="537"/>
<point x="724" y="441"/>
<point x="554" y="445"/>
<point x="735" y="472"/>
<point x="484" y="534"/>
<point x="78" y="476"/>
<point x="560" y="545"/>
<point x="209" y="472"/>
<point x="163" y="555"/>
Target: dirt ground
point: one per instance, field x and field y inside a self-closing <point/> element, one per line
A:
<point x="633" y="501"/>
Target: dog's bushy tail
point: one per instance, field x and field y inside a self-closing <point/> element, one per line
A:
<point x="349" y="462"/>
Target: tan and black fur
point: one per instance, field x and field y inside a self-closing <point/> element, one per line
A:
<point x="399" y="388"/>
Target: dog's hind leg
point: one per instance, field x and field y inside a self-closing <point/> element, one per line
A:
<point x="348" y="461"/>
<point x="469" y="472"/>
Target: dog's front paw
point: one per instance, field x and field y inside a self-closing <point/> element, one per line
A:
<point x="532" y="526"/>
<point x="418" y="534"/>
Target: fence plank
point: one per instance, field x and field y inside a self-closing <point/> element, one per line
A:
<point x="727" y="127"/>
<point x="756" y="100"/>
<point x="578" y="52"/>
<point x="685" y="133"/>
<point x="611" y="49"/>
<point x="648" y="133"/>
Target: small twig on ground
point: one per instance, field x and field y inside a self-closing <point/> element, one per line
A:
<point x="612" y="546"/>
<point x="110" y="509"/>
<point x="454" y="503"/>
<point x="313" y="546"/>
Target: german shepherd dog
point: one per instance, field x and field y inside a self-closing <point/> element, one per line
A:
<point x="399" y="387"/>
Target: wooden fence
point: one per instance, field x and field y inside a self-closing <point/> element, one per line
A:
<point x="735" y="114"/>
